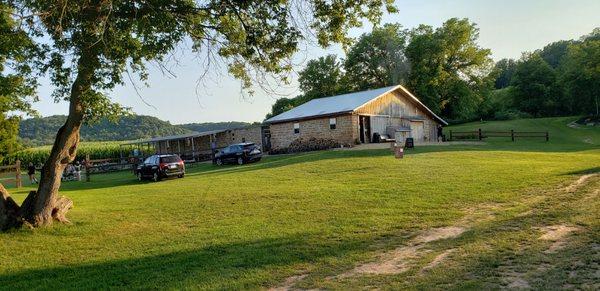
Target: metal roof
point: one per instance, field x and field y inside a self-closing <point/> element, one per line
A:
<point x="176" y="137"/>
<point x="341" y="104"/>
<point x="330" y="105"/>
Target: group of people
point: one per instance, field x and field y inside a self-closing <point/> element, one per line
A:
<point x="71" y="173"/>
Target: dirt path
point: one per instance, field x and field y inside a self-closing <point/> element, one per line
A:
<point x="582" y="180"/>
<point x="405" y="257"/>
<point x="399" y="260"/>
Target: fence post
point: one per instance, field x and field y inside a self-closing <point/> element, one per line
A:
<point x="479" y="132"/>
<point x="512" y="134"/>
<point x="87" y="168"/>
<point x="547" y="136"/>
<point x="451" y="134"/>
<point x="18" y="181"/>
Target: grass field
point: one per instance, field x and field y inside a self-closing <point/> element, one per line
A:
<point x="497" y="215"/>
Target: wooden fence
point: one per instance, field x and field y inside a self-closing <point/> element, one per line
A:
<point x="93" y="167"/>
<point x="480" y="134"/>
<point x="12" y="170"/>
<point x="106" y="166"/>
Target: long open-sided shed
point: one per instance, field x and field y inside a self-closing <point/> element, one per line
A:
<point x="194" y="146"/>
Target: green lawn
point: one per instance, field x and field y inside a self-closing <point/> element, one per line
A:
<point x="319" y="215"/>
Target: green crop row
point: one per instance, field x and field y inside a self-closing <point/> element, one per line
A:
<point x="38" y="155"/>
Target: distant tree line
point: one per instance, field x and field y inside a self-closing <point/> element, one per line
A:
<point x="563" y="78"/>
<point x="456" y="78"/>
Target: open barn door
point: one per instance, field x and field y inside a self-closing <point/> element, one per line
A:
<point x="379" y="124"/>
<point x="365" y="128"/>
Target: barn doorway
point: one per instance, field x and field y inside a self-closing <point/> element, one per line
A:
<point x="417" y="131"/>
<point x="365" y="128"/>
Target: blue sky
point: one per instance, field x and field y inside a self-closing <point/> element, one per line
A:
<point x="507" y="27"/>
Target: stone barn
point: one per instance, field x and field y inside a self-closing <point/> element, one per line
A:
<point x="356" y="117"/>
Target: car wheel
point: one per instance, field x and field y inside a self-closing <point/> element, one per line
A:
<point x="155" y="177"/>
<point x="240" y="161"/>
<point x="219" y="162"/>
<point x="181" y="176"/>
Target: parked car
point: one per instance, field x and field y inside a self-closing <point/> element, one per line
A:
<point x="240" y="153"/>
<point x="157" y="167"/>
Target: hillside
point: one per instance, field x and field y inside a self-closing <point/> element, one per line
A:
<point x="564" y="133"/>
<point x="207" y="126"/>
<point x="41" y="131"/>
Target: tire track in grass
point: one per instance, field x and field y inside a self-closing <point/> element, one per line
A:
<point x="402" y="259"/>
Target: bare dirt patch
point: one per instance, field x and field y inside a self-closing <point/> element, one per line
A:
<point x="394" y="262"/>
<point x="438" y="234"/>
<point x="557" y="234"/>
<point x="289" y="283"/>
<point x="575" y="185"/>
<point x="517" y="282"/>
<point x="438" y="260"/>
<point x="399" y="260"/>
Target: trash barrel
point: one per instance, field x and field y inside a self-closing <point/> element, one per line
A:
<point x="410" y="143"/>
<point x="399" y="152"/>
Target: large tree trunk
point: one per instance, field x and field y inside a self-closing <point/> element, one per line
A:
<point x="43" y="206"/>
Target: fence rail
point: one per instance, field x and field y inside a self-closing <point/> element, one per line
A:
<point x="16" y="169"/>
<point x="480" y="134"/>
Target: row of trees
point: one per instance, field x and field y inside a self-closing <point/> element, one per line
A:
<point x="456" y="78"/>
<point x="444" y="66"/>
<point x="563" y="78"/>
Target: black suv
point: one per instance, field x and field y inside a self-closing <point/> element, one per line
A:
<point x="240" y="153"/>
<point x="158" y="167"/>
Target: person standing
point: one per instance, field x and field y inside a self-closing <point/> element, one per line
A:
<point x="31" y="173"/>
<point x="440" y="133"/>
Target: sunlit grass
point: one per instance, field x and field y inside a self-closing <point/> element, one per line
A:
<point x="317" y="213"/>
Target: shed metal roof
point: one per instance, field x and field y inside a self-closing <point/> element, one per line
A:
<point x="344" y="103"/>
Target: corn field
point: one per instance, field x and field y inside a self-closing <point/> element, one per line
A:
<point x="38" y="155"/>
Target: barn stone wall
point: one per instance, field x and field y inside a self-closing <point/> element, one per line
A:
<point x="346" y="131"/>
<point x="247" y="134"/>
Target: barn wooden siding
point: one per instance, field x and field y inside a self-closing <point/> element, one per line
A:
<point x="398" y="110"/>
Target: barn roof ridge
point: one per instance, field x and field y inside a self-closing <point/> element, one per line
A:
<point x="343" y="103"/>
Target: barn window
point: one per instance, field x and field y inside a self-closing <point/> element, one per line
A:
<point x="332" y="123"/>
<point x="296" y="127"/>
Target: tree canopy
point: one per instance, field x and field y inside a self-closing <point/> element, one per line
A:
<point x="17" y="86"/>
<point x="90" y="47"/>
<point x="321" y="77"/>
<point x="449" y="71"/>
<point x="377" y="59"/>
<point x="534" y="88"/>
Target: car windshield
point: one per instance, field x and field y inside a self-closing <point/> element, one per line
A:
<point x="169" y="159"/>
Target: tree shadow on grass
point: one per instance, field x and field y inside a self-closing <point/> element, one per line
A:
<point x="231" y="266"/>
<point x="592" y="170"/>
